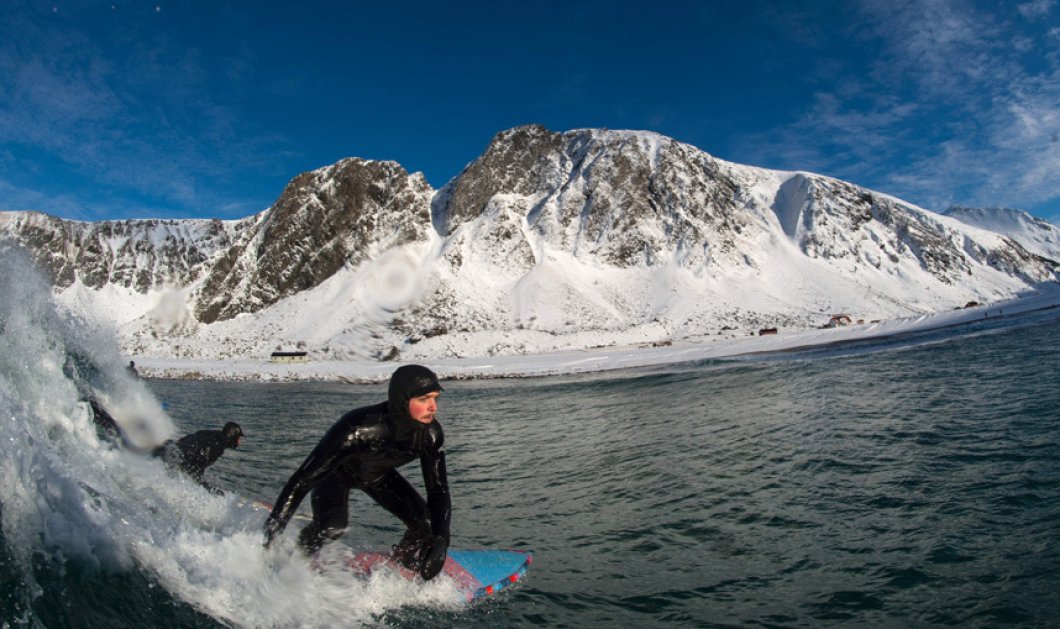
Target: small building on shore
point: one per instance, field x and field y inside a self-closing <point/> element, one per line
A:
<point x="289" y="357"/>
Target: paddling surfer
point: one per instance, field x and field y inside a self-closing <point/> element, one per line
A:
<point x="363" y="450"/>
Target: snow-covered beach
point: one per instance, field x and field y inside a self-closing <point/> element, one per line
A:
<point x="596" y="359"/>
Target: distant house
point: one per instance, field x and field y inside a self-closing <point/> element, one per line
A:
<point x="767" y="331"/>
<point x="838" y="320"/>
<point x="289" y="357"/>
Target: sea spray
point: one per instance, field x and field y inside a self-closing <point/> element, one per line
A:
<point x="44" y="427"/>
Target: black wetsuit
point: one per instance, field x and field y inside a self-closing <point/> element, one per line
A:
<point x="198" y="451"/>
<point x="362" y="451"/>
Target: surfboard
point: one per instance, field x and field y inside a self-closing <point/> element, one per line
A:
<point x="478" y="573"/>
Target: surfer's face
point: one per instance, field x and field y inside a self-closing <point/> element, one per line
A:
<point x="423" y="408"/>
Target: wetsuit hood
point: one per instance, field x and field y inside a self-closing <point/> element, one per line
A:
<point x="406" y="383"/>
<point x="232" y="432"/>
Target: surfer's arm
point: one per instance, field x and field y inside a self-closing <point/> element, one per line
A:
<point x="320" y="462"/>
<point x="436" y="483"/>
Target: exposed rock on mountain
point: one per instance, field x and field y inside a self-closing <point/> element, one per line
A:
<point x="137" y="254"/>
<point x="323" y="221"/>
<point x="622" y="198"/>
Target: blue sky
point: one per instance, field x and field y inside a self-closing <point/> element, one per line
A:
<point x="120" y="109"/>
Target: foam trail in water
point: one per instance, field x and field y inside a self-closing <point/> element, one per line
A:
<point x="69" y="495"/>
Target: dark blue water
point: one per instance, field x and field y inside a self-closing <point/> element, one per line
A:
<point x="904" y="482"/>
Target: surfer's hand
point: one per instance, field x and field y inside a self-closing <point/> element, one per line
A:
<point x="434" y="558"/>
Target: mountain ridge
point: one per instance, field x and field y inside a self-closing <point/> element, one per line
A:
<point x="549" y="240"/>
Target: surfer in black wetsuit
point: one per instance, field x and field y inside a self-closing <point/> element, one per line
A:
<point x="362" y="451"/>
<point x="195" y="452"/>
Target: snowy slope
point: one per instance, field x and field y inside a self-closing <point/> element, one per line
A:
<point x="1037" y="235"/>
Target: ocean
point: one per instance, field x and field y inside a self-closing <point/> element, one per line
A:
<point x="904" y="482"/>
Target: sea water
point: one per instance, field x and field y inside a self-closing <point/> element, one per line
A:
<point x="912" y="481"/>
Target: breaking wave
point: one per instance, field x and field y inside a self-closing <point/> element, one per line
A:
<point x="89" y="525"/>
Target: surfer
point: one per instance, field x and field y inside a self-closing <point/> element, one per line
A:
<point x="363" y="450"/>
<point x="193" y="453"/>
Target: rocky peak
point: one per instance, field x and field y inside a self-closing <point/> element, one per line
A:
<point x="518" y="161"/>
<point x="324" y="220"/>
<point x="626" y="198"/>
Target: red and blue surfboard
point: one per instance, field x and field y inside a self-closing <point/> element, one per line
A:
<point x="477" y="573"/>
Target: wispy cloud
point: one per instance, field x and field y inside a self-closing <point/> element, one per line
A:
<point x="950" y="111"/>
<point x="1036" y="9"/>
<point x="145" y="118"/>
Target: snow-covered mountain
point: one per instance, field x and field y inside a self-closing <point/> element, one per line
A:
<point x="547" y="241"/>
<point x="1037" y="235"/>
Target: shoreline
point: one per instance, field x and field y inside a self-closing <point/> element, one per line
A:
<point x="594" y="360"/>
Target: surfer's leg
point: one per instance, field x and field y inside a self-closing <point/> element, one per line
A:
<point x="331" y="515"/>
<point x="400" y="498"/>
